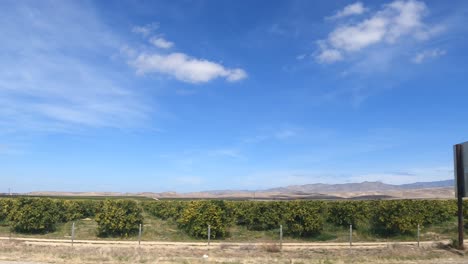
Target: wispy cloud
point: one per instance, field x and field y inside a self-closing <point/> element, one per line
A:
<point x="301" y="56"/>
<point x="162" y="43"/>
<point x="393" y="23"/>
<point x="329" y="56"/>
<point x="47" y="81"/>
<point x="404" y="176"/>
<point x="428" y="54"/>
<point x="179" y="65"/>
<point x="350" y="10"/>
<point x="226" y="152"/>
<point x="275" y="134"/>
<point x="146" y="30"/>
<point x="283" y="178"/>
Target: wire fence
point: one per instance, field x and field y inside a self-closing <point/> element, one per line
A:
<point x="153" y="232"/>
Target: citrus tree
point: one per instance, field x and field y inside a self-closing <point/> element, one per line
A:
<point x="118" y="218"/>
<point x="197" y="215"/>
<point x="34" y="215"/>
<point x="304" y="218"/>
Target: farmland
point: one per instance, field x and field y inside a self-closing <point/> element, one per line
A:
<point x="175" y="231"/>
<point x="242" y="221"/>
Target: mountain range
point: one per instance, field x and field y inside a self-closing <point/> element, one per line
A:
<point x="364" y="190"/>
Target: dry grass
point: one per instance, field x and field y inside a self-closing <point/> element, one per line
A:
<point x="271" y="247"/>
<point x="13" y="251"/>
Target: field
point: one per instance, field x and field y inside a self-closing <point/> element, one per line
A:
<point x="251" y="221"/>
<point x="241" y="231"/>
<point x="92" y="198"/>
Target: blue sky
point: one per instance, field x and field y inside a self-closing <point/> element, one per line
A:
<point x="136" y="96"/>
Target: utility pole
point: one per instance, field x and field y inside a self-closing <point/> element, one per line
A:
<point x="460" y="187"/>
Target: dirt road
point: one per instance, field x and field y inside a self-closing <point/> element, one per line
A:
<point x="37" y="251"/>
<point x="120" y="243"/>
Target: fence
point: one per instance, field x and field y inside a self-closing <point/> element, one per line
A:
<point x="267" y="222"/>
<point x="352" y="237"/>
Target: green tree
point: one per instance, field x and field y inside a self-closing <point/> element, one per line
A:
<point x="6" y="206"/>
<point x="304" y="218"/>
<point x="197" y="215"/>
<point x="396" y="217"/>
<point x="345" y="213"/>
<point x="165" y="209"/>
<point x="34" y="215"/>
<point x="118" y="218"/>
<point x="264" y="215"/>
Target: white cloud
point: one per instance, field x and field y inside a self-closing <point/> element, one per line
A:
<point x="162" y="43"/>
<point x="387" y="26"/>
<point x="329" y="56"/>
<point x="185" y="68"/>
<point x="350" y="10"/>
<point x="146" y="30"/>
<point x="176" y="64"/>
<point x="428" y="54"/>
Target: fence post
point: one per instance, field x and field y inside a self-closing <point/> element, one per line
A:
<point x="72" y="233"/>
<point x="350" y="235"/>
<point x="139" y="235"/>
<point x="281" y="237"/>
<point x="209" y="234"/>
<point x="418" y="235"/>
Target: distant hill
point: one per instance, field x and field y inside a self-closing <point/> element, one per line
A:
<point x="359" y="187"/>
<point x="424" y="185"/>
<point x="364" y="190"/>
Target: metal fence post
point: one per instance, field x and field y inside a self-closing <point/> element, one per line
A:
<point x="209" y="234"/>
<point x="281" y="237"/>
<point x="418" y="234"/>
<point x="139" y="235"/>
<point x="350" y="235"/>
<point x="72" y="233"/>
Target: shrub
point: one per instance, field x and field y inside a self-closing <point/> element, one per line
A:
<point x="264" y="215"/>
<point x="239" y="211"/>
<point x="396" y="217"/>
<point x="118" y="218"/>
<point x="197" y="215"/>
<point x="437" y="212"/>
<point x="6" y="206"/>
<point x="87" y="208"/>
<point x="69" y="210"/>
<point x="165" y="209"/>
<point x="34" y="215"/>
<point x="304" y="218"/>
<point x="345" y="213"/>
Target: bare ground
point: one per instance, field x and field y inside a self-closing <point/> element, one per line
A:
<point x="56" y="252"/>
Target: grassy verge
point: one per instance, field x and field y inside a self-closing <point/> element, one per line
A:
<point x="17" y="251"/>
<point x="155" y="229"/>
